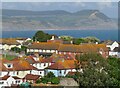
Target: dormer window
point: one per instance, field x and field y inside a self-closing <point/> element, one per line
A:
<point x="9" y="65"/>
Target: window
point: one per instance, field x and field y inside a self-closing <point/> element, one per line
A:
<point x="39" y="65"/>
<point x="30" y="72"/>
<point x="44" y="64"/>
<point x="65" y="72"/>
<point x="19" y="81"/>
<point x="0" y="73"/>
<point x="60" y="71"/>
<point x="1" y="82"/>
<point x="9" y="65"/>
<point x="13" y="72"/>
<point x="17" y="72"/>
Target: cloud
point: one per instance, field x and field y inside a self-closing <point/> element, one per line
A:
<point x="106" y="4"/>
<point x="80" y="4"/>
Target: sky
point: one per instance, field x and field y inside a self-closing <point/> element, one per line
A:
<point x="106" y="6"/>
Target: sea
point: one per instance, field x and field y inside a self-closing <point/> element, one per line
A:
<point x="101" y="34"/>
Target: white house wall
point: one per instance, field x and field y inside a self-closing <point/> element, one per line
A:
<point x="119" y="54"/>
<point x="3" y="73"/>
<point x="111" y="53"/>
<point x="39" y="50"/>
<point x="10" y="81"/>
<point x="62" y="73"/>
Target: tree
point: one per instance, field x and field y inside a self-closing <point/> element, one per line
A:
<point x="23" y="48"/>
<point x="41" y="36"/>
<point x="50" y="75"/>
<point x="16" y="49"/>
<point x="91" y="39"/>
<point x="96" y="71"/>
<point x="66" y="38"/>
<point x="78" y="41"/>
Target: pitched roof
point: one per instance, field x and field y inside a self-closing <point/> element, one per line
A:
<point x="9" y="41"/>
<point x="57" y="57"/>
<point x="60" y="65"/>
<point x="4" y="77"/>
<point x="15" y="77"/>
<point x="81" y="48"/>
<point x="31" y="77"/>
<point x="69" y="47"/>
<point x="30" y="59"/>
<point x="44" y="45"/>
<point x="116" y="49"/>
<point x="18" y="65"/>
<point x="2" y="67"/>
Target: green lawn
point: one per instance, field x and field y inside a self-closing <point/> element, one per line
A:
<point x="9" y="57"/>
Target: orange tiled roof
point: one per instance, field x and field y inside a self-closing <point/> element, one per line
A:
<point x="60" y="65"/>
<point x="83" y="48"/>
<point x="18" y="65"/>
<point x="57" y="57"/>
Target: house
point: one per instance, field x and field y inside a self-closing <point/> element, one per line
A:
<point x="6" y="81"/>
<point x="61" y="68"/>
<point x="43" y="48"/>
<point x="114" y="49"/>
<point x="83" y="48"/>
<point x="24" y="41"/>
<point x="31" y="78"/>
<point x="115" y="52"/>
<point x="55" y="40"/>
<point x="17" y="67"/>
<point x="112" y="45"/>
<point x="8" y="43"/>
<point x="37" y="63"/>
<point x="50" y="48"/>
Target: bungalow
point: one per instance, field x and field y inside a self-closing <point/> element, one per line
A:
<point x="61" y="68"/>
<point x="114" y="49"/>
<point x="115" y="52"/>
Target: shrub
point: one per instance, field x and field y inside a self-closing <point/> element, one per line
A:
<point x="55" y="80"/>
<point x="50" y="75"/>
<point x="44" y="80"/>
<point x="38" y="81"/>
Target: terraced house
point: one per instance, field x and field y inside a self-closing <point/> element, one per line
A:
<point x="49" y="48"/>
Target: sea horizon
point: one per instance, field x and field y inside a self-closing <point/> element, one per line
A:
<point x="111" y="34"/>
